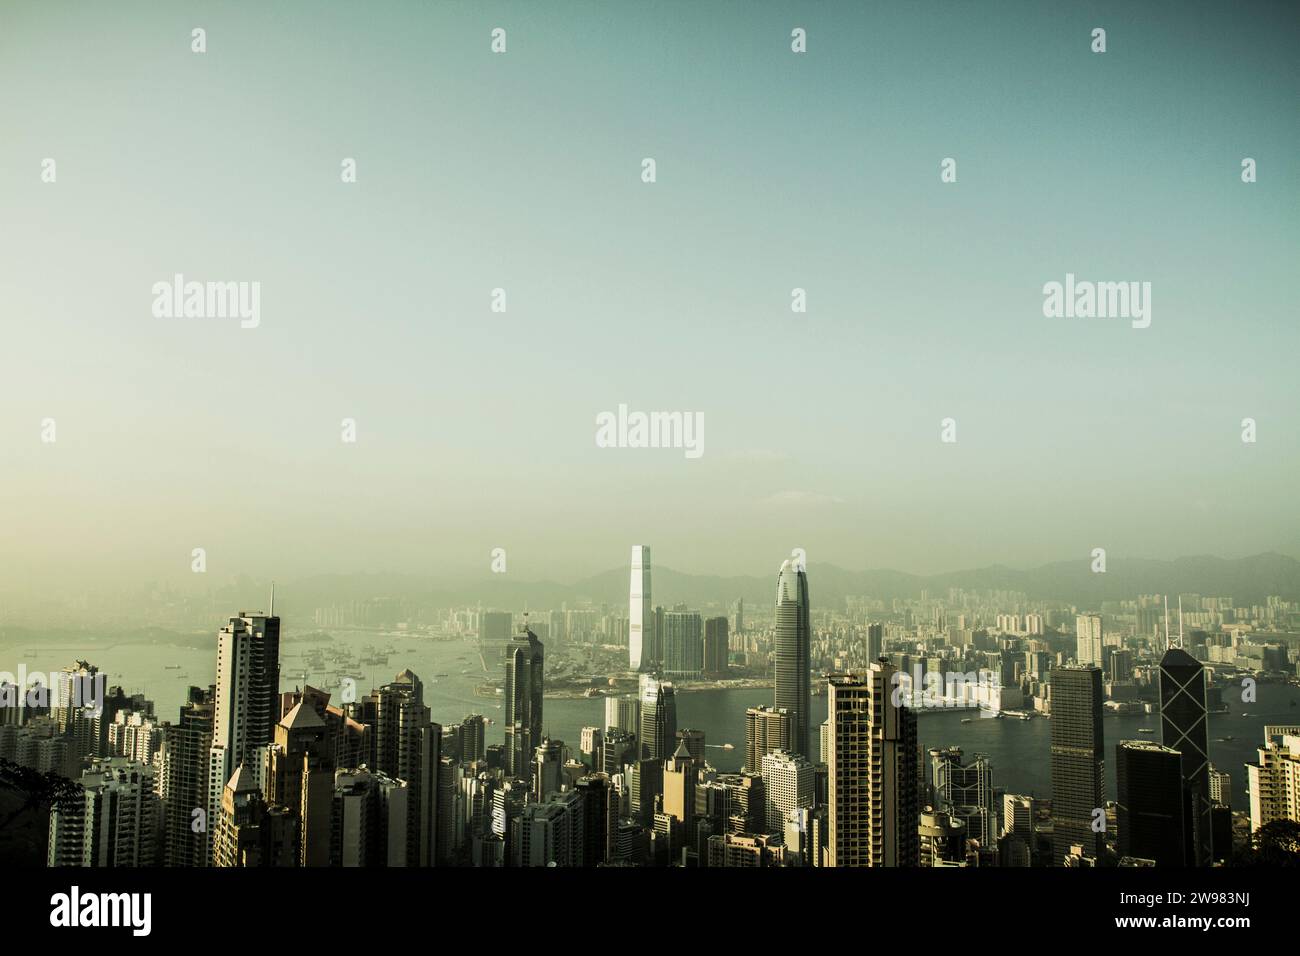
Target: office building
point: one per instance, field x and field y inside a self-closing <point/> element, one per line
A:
<point x="766" y="729"/>
<point x="1184" y="727"/>
<point x="640" y="618"/>
<point x="1149" y="812"/>
<point x="1078" y="761"/>
<point x="523" y="701"/>
<point x="791" y="649"/>
<point x="787" y="786"/>
<point x="873" y="773"/>
<point x="247" y="704"/>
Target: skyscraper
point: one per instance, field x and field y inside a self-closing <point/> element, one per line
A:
<point x="550" y="833"/>
<point x="791" y="650"/>
<point x="680" y="775"/>
<point x="875" y="641"/>
<point x="448" y="816"/>
<point x="787" y="785"/>
<point x="683" y="644"/>
<point x="600" y="818"/>
<point x="1184" y="727"/>
<point x="965" y="792"/>
<point x="640" y="616"/>
<point x="1078" y="761"/>
<point x="523" y="702"/>
<point x="406" y="745"/>
<point x="1273" y="781"/>
<point x="623" y="713"/>
<point x="548" y="758"/>
<point x="370" y="813"/>
<point x="471" y="738"/>
<point x="183" y="781"/>
<point x="658" y="718"/>
<point x="618" y="749"/>
<point x="1088" y="634"/>
<point x="299" y="774"/>
<point x="1149" y="814"/>
<point x="110" y="821"/>
<point x="247" y="699"/>
<point x="694" y="740"/>
<point x="766" y="729"/>
<point x="716" y="642"/>
<point x="872" y="787"/>
<point x="249" y="832"/>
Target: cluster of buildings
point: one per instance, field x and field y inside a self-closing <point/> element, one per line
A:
<point x="248" y="775"/>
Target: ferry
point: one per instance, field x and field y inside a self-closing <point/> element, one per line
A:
<point x="1146" y="730"/>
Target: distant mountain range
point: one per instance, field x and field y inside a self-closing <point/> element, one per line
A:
<point x="1246" y="580"/>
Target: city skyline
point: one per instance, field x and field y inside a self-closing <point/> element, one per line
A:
<point x="671" y="435"/>
<point x="376" y="781"/>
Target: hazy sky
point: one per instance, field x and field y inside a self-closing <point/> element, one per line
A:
<point x="522" y="171"/>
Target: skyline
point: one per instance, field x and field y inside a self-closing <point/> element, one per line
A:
<point x="1251" y="579"/>
<point x="665" y="435"/>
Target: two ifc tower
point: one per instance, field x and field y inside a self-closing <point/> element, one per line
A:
<point x="791" y="647"/>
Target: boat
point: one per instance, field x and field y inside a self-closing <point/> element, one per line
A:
<point x="1146" y="730"/>
<point x="171" y="667"/>
<point x="728" y="746"/>
<point x="1025" y="717"/>
<point x="966" y="720"/>
<point x="1224" y="740"/>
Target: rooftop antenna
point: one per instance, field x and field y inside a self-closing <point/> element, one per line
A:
<point x="271" y="613"/>
<point x="1166" y="622"/>
<point x="1180" y="621"/>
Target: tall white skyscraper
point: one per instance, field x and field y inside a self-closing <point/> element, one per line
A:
<point x="623" y="713"/>
<point x="640" y="632"/>
<point x="787" y="785"/>
<point x="247" y="702"/>
<point x="1087" y="629"/>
